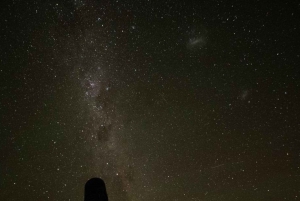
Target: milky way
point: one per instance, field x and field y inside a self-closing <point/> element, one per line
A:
<point x="103" y="131"/>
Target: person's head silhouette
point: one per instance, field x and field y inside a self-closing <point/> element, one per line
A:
<point x="95" y="190"/>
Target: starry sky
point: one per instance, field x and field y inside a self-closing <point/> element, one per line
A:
<point x="164" y="100"/>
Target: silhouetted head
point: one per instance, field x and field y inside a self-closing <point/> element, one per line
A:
<point x="95" y="190"/>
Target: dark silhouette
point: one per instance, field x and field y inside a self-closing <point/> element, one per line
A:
<point x="95" y="190"/>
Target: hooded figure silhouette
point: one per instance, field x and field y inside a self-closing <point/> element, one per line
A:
<point x="95" y="190"/>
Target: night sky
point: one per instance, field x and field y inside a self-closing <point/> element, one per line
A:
<point x="164" y="100"/>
